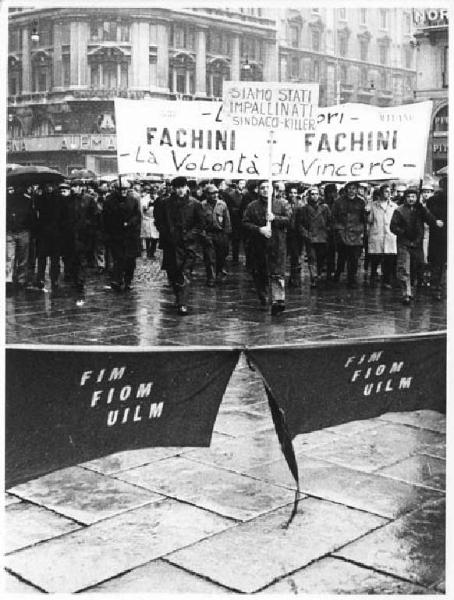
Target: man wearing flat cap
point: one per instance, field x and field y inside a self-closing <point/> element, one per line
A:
<point x="217" y="231"/>
<point x="180" y="222"/>
<point x="349" y="220"/>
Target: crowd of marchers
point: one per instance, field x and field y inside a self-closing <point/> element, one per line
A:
<point x="401" y="232"/>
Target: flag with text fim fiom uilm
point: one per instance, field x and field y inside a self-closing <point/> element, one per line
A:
<point x="323" y="385"/>
<point x="64" y="407"/>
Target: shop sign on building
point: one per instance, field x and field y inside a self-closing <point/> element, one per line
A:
<point x="56" y="143"/>
<point x="430" y="16"/>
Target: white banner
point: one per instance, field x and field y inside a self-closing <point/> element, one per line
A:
<point x="351" y="142"/>
<point x="272" y="106"/>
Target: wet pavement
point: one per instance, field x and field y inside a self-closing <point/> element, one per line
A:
<point x="371" y="515"/>
<point x="228" y="314"/>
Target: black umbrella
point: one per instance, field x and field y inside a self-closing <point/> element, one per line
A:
<point x="33" y="175"/>
<point x="84" y="174"/>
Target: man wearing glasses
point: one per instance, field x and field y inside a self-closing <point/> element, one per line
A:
<point x="268" y="241"/>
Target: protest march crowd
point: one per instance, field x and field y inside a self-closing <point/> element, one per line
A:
<point x="313" y="234"/>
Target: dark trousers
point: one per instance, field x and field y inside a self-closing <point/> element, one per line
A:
<point x="123" y="265"/>
<point x="349" y="255"/>
<point x="316" y="258"/>
<point x="387" y="262"/>
<point x="294" y="249"/>
<point x="237" y="234"/>
<point x="409" y="263"/>
<point x="150" y="246"/>
<point x="215" y="251"/>
<point x="330" y="257"/>
<point x="437" y="271"/>
<point x="54" y="269"/>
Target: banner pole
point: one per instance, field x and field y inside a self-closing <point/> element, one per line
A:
<point x="271" y="141"/>
<point x="119" y="180"/>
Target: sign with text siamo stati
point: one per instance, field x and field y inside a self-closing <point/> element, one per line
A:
<point x="349" y="142"/>
<point x="272" y="106"/>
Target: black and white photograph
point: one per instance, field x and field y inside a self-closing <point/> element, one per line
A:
<point x="225" y="297"/>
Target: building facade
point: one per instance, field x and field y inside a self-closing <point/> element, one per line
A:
<point x="66" y="65"/>
<point x="431" y="43"/>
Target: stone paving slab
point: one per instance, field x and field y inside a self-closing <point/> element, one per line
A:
<point x="106" y="549"/>
<point x="381" y="446"/>
<point x="223" y="492"/>
<point x="420" y="470"/>
<point x="242" y="423"/>
<point x="425" y="419"/>
<point x="369" y="492"/>
<point x="27" y="524"/>
<point x="129" y="459"/>
<point x="84" y="495"/>
<point x="240" y="454"/>
<point x="10" y="499"/>
<point x="13" y="585"/>
<point x="319" y="528"/>
<point x="158" y="577"/>
<point x="334" y="576"/>
<point x="411" y="547"/>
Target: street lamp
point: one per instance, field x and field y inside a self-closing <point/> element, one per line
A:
<point x="246" y="69"/>
<point x="34" y="36"/>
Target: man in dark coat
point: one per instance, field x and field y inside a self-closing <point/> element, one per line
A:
<point x="122" y="221"/>
<point x="438" y="238"/>
<point x="77" y="223"/>
<point x="234" y="200"/>
<point x="349" y="219"/>
<point x="268" y="246"/>
<point x="49" y="211"/>
<point x="294" y="238"/>
<point x="180" y="222"/>
<point x="407" y="223"/>
<point x="314" y="223"/>
<point x="19" y="221"/>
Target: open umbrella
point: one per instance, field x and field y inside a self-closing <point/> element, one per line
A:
<point x="84" y="174"/>
<point x="33" y="175"/>
<point x="11" y="166"/>
<point x="443" y="170"/>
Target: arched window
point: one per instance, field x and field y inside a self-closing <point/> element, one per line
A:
<point x="182" y="74"/>
<point x="109" y="69"/>
<point x="41" y="72"/>
<point x="42" y="127"/>
<point x="217" y="72"/>
<point x="15" y="129"/>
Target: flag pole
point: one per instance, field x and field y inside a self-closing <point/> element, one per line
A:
<point x="271" y="142"/>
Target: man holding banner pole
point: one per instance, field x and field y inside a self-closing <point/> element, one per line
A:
<point x="268" y="232"/>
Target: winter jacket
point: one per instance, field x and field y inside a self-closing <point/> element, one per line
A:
<point x="407" y="223"/>
<point x="381" y="239"/>
<point x="268" y="253"/>
<point x="314" y="222"/>
<point x="349" y="219"/>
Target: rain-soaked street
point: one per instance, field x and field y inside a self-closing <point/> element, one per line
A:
<point x="371" y="514"/>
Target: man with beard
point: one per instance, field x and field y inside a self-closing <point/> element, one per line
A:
<point x="267" y="235"/>
<point x="407" y="223"/>
<point x="180" y="222"/>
